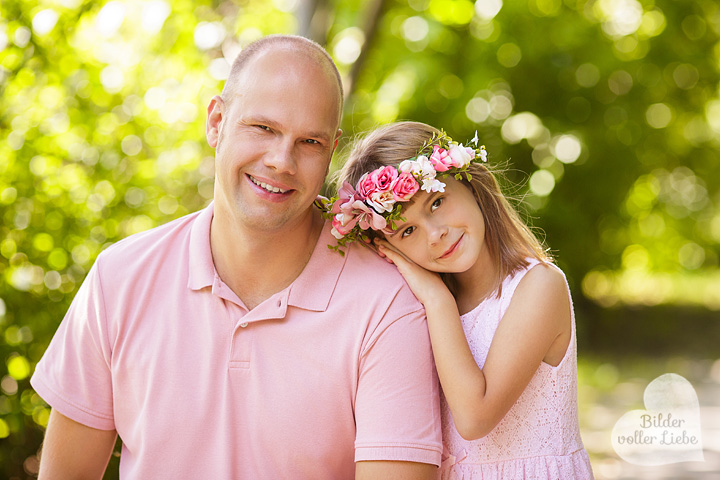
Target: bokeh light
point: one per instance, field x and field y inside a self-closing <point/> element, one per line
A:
<point x="608" y="126"/>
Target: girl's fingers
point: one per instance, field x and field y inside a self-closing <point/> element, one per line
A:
<point x="377" y="243"/>
<point x="389" y="250"/>
<point x="386" y="247"/>
<point x="386" y="253"/>
<point x="392" y="255"/>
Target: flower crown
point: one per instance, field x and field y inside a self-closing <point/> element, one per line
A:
<point x="376" y="200"/>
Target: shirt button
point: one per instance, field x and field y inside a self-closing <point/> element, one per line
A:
<point x="244" y="324"/>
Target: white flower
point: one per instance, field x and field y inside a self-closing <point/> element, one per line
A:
<point x="336" y="234"/>
<point x="406" y="166"/>
<point x="425" y="169"/>
<point x="382" y="201"/>
<point x="433" y="185"/>
<point x="460" y="155"/>
<point x="483" y="154"/>
<point x="419" y="167"/>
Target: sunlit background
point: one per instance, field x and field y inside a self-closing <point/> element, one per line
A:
<point x="606" y="113"/>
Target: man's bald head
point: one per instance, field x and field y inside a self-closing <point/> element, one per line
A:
<point x="294" y="43"/>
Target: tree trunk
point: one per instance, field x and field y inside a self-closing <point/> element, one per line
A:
<point x="372" y="18"/>
<point x="314" y="19"/>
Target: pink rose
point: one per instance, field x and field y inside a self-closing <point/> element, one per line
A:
<point x="378" y="180"/>
<point x="404" y="187"/>
<point x="366" y="186"/>
<point x="383" y="177"/>
<point x="440" y="159"/>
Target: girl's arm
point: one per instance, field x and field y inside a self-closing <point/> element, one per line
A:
<point x="535" y="327"/>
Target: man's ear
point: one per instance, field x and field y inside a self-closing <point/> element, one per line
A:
<point x="215" y="112"/>
<point x="337" y="137"/>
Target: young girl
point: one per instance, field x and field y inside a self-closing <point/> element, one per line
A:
<point x="498" y="311"/>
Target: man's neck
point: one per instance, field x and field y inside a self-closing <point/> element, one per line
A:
<point x="257" y="264"/>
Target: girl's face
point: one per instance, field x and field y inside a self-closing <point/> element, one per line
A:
<point x="443" y="231"/>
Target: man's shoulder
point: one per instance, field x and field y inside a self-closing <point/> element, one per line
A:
<point x="158" y="242"/>
<point x="375" y="276"/>
<point x="365" y="263"/>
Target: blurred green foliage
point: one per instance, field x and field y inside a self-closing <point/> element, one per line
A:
<point x="607" y="110"/>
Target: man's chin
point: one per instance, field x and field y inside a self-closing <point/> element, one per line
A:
<point x="275" y="220"/>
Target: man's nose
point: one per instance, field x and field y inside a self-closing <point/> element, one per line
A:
<point x="281" y="157"/>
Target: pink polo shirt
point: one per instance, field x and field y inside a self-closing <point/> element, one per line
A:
<point x="336" y="368"/>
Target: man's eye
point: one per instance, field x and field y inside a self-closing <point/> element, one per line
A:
<point x="407" y="231"/>
<point x="312" y="141"/>
<point x="263" y="127"/>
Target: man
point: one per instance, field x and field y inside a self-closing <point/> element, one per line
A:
<point x="232" y="343"/>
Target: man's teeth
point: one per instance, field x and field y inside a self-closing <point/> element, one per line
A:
<point x="267" y="187"/>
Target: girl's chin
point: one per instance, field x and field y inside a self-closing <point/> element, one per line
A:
<point x="457" y="267"/>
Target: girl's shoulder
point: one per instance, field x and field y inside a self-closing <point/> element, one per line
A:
<point x="534" y="273"/>
<point x="540" y="284"/>
<point x="542" y="294"/>
<point x="542" y="279"/>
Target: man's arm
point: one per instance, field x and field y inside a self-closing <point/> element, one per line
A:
<point x="397" y="405"/>
<point x="75" y="451"/>
<point x="382" y="470"/>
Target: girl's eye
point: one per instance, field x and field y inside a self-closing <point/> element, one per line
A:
<point x="407" y="232"/>
<point x="436" y="203"/>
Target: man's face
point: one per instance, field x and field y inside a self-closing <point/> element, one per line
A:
<point x="274" y="139"/>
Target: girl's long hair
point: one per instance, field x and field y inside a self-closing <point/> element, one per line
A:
<point x="510" y="241"/>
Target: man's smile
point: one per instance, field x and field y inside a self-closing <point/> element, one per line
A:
<point x="266" y="186"/>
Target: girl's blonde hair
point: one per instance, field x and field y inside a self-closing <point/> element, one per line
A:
<point x="510" y="241"/>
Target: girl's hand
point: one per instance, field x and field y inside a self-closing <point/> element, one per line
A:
<point x="426" y="285"/>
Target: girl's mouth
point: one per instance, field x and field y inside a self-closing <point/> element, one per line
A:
<point x="452" y="249"/>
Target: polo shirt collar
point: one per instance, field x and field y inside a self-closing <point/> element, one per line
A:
<point x="313" y="288"/>
<point x="201" y="269"/>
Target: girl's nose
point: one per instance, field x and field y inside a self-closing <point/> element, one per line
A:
<point x="436" y="233"/>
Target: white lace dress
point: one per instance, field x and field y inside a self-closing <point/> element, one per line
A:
<point x="539" y="438"/>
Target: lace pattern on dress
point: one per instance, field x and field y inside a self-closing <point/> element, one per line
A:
<point x="540" y="432"/>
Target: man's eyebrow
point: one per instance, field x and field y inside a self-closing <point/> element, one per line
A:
<point x="258" y="119"/>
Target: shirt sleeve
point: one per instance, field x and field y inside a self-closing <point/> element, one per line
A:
<point x="73" y="376"/>
<point x="397" y="405"/>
